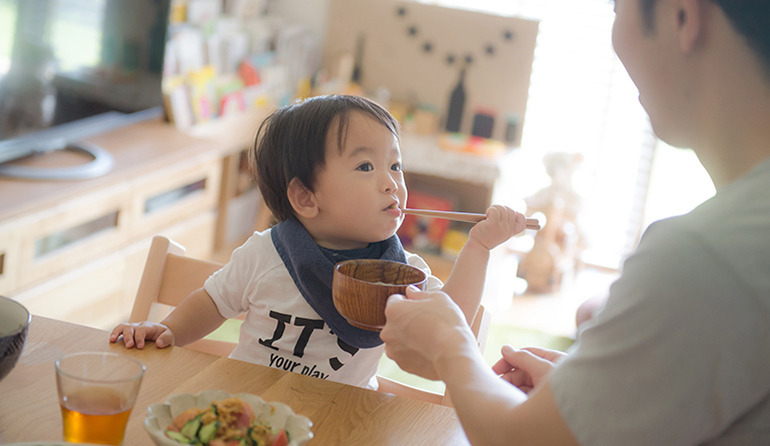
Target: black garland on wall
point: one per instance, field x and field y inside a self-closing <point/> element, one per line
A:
<point x="457" y="98"/>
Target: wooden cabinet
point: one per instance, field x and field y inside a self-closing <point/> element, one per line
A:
<point x="74" y="250"/>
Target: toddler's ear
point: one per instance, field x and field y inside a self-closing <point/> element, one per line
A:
<point x="302" y="199"/>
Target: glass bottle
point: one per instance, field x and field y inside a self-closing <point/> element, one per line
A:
<point x="456" y="105"/>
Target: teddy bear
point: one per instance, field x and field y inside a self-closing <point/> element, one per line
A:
<point x="557" y="244"/>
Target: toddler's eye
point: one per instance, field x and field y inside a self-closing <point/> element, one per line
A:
<point x="365" y="167"/>
<point x="396" y="167"/>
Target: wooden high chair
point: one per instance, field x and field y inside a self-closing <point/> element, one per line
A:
<point x="169" y="276"/>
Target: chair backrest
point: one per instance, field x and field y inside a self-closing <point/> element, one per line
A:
<point x="169" y="277"/>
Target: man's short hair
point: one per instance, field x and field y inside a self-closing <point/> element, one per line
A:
<point x="751" y="18"/>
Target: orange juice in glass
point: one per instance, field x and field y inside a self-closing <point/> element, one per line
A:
<point x="96" y="393"/>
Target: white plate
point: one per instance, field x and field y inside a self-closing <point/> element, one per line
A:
<point x="280" y="416"/>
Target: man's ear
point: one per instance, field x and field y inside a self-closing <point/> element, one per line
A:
<point x="302" y="199"/>
<point x="691" y="14"/>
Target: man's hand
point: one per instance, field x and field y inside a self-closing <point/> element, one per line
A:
<point x="422" y="329"/>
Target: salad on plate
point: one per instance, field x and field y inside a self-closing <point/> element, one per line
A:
<point x="227" y="422"/>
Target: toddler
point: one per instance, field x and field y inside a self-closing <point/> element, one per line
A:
<point x="329" y="169"/>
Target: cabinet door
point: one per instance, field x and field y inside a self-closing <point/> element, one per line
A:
<point x="72" y="233"/>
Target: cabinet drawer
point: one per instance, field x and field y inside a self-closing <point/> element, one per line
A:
<point x="9" y="258"/>
<point x="173" y="196"/>
<point x="72" y="233"/>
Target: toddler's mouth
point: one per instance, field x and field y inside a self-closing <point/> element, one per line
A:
<point x="394" y="210"/>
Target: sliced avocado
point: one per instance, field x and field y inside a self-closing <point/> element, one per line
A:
<point x="178" y="437"/>
<point x="208" y="431"/>
<point x="190" y="429"/>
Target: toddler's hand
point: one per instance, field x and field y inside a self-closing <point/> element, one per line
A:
<point x="501" y="224"/>
<point x="135" y="334"/>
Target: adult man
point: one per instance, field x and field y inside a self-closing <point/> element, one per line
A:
<point x="680" y="353"/>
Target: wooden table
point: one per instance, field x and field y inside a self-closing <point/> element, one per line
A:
<point x="341" y="414"/>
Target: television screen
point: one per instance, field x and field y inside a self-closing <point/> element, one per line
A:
<point x="64" y="63"/>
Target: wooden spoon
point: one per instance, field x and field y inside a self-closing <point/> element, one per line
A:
<point x="532" y="223"/>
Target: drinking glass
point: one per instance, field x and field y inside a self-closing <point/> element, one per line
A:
<point x="97" y="391"/>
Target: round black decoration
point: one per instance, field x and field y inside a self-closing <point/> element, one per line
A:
<point x="490" y="48"/>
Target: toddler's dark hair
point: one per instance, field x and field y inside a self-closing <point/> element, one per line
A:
<point x="291" y="143"/>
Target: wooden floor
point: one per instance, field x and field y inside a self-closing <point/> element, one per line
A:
<point x="555" y="313"/>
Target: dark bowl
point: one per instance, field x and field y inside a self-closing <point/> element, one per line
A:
<point x="14" y="325"/>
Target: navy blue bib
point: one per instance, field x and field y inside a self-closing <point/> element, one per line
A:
<point x="312" y="269"/>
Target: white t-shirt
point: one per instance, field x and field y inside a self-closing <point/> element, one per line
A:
<point x="680" y="354"/>
<point x="280" y="328"/>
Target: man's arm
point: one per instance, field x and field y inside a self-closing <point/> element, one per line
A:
<point x="494" y="412"/>
<point x="427" y="335"/>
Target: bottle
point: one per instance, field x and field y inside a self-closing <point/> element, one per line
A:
<point x="358" y="61"/>
<point x="456" y="104"/>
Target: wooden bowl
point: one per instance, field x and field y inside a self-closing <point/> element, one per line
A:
<point x="360" y="289"/>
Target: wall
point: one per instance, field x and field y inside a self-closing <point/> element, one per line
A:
<point x="313" y="14"/>
<point x="416" y="51"/>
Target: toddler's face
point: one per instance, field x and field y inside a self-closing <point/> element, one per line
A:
<point x="360" y="190"/>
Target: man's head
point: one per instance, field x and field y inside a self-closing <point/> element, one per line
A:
<point x="702" y="68"/>
<point x="291" y="143"/>
<point x="751" y="18"/>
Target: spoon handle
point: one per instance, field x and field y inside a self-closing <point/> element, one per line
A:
<point x="532" y="223"/>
